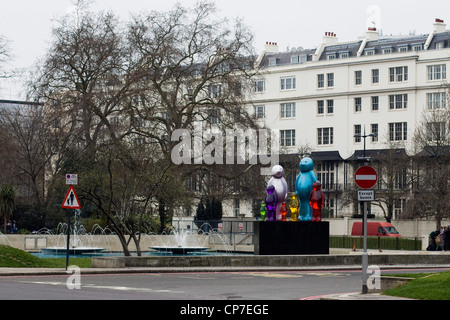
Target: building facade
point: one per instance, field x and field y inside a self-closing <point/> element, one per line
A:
<point x="324" y="101"/>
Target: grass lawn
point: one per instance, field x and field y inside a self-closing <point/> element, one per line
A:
<point x="424" y="287"/>
<point x="15" y="258"/>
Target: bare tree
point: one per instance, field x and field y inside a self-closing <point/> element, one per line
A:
<point x="431" y="188"/>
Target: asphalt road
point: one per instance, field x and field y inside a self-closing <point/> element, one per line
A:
<point x="261" y="286"/>
<point x="181" y="286"/>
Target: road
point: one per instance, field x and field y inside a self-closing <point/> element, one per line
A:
<point x="261" y="286"/>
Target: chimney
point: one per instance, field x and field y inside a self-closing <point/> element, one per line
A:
<point x="439" y="26"/>
<point x="330" y="39"/>
<point x="372" y="34"/>
<point x="271" y="47"/>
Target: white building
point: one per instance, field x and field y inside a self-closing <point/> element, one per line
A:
<point x="320" y="99"/>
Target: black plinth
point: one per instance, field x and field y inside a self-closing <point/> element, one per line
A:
<point x="291" y="238"/>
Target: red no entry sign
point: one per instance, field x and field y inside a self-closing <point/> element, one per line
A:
<point x="366" y="177"/>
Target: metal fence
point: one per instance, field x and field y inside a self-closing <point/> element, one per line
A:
<point x="229" y="232"/>
<point x="240" y="232"/>
<point x="380" y="243"/>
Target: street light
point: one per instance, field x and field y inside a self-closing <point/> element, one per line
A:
<point x="364" y="136"/>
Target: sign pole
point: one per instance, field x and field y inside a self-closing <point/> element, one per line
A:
<point x="68" y="239"/>
<point x="365" y="257"/>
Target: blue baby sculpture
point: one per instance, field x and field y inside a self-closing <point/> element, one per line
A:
<point x="304" y="186"/>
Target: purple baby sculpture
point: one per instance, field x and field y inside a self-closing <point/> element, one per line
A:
<point x="271" y="203"/>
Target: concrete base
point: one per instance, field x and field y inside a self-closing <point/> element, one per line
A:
<point x="262" y="262"/>
<point x="292" y="238"/>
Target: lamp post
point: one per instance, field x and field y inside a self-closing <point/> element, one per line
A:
<point x="364" y="136"/>
<point x="365" y="257"/>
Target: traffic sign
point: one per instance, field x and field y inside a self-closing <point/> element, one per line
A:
<point x="366" y="195"/>
<point x="71" y="179"/>
<point x="366" y="177"/>
<point x="71" y="200"/>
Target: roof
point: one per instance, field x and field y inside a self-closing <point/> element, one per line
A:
<point x="350" y="49"/>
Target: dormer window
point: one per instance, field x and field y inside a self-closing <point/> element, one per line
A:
<point x="331" y="56"/>
<point x="369" y="52"/>
<point x="386" y="50"/>
<point x="402" y="48"/>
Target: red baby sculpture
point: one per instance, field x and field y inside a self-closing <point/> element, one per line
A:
<point x="316" y="201"/>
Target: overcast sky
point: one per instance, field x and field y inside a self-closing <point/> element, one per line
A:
<point x="27" y="24"/>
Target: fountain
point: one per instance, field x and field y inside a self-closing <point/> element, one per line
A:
<point x="184" y="241"/>
<point x="4" y="240"/>
<point x="76" y="247"/>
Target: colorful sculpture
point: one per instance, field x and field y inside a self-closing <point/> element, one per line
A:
<point x="281" y="187"/>
<point x="271" y="203"/>
<point x="262" y="211"/>
<point x="283" y="211"/>
<point x="317" y="200"/>
<point x="294" y="205"/>
<point x="304" y="186"/>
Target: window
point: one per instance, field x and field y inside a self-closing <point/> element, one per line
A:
<point x="320" y="107"/>
<point x="344" y="55"/>
<point x="330" y="106"/>
<point x="236" y="207"/>
<point x="298" y="59"/>
<point x="325" y="136"/>
<point x="403" y="48"/>
<point x="436" y="100"/>
<point x="436" y="131"/>
<point x="375" y="76"/>
<point x="437" y="72"/>
<point x="288" y="83"/>
<point x="386" y="50"/>
<point x="439" y="45"/>
<point x="357" y="133"/>
<point x="398" y="74"/>
<point x="320" y="81"/>
<point x="331" y="56"/>
<point x="358" y="104"/>
<point x="369" y="52"/>
<point x="358" y="77"/>
<point x="398" y="131"/>
<point x="417" y="47"/>
<point x="272" y="62"/>
<point x="214" y="116"/>
<point x="287" y="110"/>
<point x="287" y="138"/>
<point x="400" y="178"/>
<point x="260" y="112"/>
<point x="330" y="80"/>
<point x="398" y="101"/>
<point x="215" y="91"/>
<point x="325" y="174"/>
<point x="374" y="128"/>
<point x="260" y="85"/>
<point x="375" y="103"/>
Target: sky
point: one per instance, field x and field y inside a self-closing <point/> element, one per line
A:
<point x="27" y="24"/>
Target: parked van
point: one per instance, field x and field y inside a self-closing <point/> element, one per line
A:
<point x="375" y="229"/>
